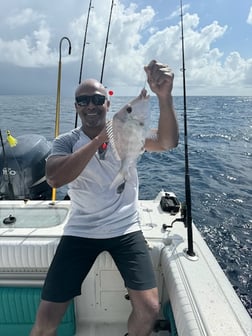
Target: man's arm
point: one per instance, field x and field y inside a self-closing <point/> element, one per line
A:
<point x="61" y="170"/>
<point x="160" y="79"/>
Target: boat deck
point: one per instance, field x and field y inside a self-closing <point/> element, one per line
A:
<point x="202" y="299"/>
<point x="107" y="329"/>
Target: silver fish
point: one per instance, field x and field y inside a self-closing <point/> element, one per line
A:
<point x="127" y="133"/>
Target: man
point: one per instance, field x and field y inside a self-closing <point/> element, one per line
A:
<point x="103" y="218"/>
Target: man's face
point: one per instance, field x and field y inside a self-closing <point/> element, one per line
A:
<point x="92" y="105"/>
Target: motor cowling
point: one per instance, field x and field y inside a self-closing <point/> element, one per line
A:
<point x="22" y="168"/>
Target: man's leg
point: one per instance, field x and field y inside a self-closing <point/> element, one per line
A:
<point x="48" y="318"/>
<point x="145" y="310"/>
<point x="132" y="257"/>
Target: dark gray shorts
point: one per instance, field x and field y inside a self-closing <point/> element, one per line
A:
<point x="75" y="256"/>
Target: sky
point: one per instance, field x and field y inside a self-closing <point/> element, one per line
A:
<point x="217" y="44"/>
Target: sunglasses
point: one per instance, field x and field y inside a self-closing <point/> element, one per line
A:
<point x="96" y="99"/>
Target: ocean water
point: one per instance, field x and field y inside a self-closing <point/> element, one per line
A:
<point x="220" y="165"/>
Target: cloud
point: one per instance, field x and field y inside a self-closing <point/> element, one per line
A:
<point x="177" y="12"/>
<point x="30" y="38"/>
<point x="29" y="51"/>
<point x="249" y="19"/>
<point x="125" y="52"/>
<point x="24" y="17"/>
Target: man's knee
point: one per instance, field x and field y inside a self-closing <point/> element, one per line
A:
<point x="152" y="308"/>
<point x="146" y="304"/>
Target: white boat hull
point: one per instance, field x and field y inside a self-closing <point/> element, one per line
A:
<point x="202" y="299"/>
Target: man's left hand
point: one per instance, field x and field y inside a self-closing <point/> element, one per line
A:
<point x="160" y="78"/>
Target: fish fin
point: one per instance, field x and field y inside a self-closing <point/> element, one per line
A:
<point x="109" y="129"/>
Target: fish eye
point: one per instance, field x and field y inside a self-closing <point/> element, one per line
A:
<point x="129" y="109"/>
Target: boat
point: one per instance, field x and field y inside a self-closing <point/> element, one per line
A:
<point x="196" y="298"/>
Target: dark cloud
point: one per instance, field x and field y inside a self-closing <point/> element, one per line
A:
<point x="37" y="81"/>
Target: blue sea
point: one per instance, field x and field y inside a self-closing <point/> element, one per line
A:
<point x="220" y="166"/>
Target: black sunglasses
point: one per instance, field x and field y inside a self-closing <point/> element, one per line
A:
<point x="96" y="99"/>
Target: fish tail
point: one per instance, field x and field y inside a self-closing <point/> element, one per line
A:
<point x="121" y="176"/>
<point x="118" y="180"/>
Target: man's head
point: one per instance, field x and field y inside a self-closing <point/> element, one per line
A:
<point x="91" y="103"/>
<point x="90" y="86"/>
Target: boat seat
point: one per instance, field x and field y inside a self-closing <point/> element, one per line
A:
<point x="18" y="306"/>
<point x="25" y="260"/>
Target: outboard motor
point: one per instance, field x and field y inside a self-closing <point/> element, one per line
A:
<point x="22" y="169"/>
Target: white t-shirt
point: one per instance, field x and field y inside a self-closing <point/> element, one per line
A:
<point x="98" y="211"/>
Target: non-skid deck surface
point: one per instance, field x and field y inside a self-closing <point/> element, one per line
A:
<point x="107" y="329"/>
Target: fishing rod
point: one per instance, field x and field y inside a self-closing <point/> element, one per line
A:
<point x="56" y="131"/>
<point x="106" y="43"/>
<point x="83" y="52"/>
<point x="188" y="210"/>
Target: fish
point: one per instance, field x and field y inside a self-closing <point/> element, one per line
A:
<point x="127" y="133"/>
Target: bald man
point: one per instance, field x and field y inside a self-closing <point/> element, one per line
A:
<point x="103" y="218"/>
